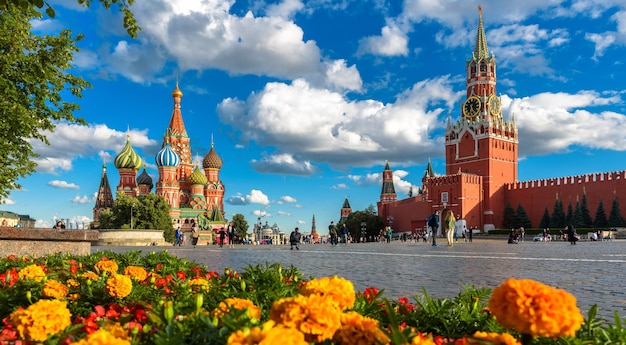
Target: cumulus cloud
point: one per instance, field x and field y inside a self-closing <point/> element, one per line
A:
<point x="287" y="199"/>
<point x="237" y="199"/>
<point x="70" y="141"/>
<point x="78" y="199"/>
<point x="257" y="197"/>
<point x="283" y="213"/>
<point x="7" y="201"/>
<point x="340" y="186"/>
<point x="391" y="42"/>
<point x="62" y="184"/>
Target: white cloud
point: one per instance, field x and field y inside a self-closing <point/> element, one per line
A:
<point x="7" y="202"/>
<point x="340" y="186"/>
<point x="285" y="9"/>
<point x="287" y="199"/>
<point x="257" y="197"/>
<point x="261" y="213"/>
<point x="283" y="164"/>
<point x="283" y="213"/>
<point x="82" y="199"/>
<point x="62" y="184"/>
<point x="237" y="200"/>
<point x="391" y="42"/>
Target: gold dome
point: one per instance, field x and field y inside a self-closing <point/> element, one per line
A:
<point x="177" y="93"/>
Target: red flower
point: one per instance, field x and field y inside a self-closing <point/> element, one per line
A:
<point x="8" y="332"/>
<point x="181" y="275"/>
<point x="10" y="277"/>
<point x="158" y="267"/>
<point x="370" y="293"/>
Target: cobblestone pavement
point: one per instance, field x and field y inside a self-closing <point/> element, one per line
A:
<point x="594" y="272"/>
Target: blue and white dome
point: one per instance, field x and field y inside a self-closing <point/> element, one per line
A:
<point x="167" y="157"/>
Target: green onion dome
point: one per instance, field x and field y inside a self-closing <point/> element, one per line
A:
<point x="128" y="158"/>
<point x="197" y="177"/>
<point x="212" y="160"/>
<point x="167" y="157"/>
<point x="144" y="179"/>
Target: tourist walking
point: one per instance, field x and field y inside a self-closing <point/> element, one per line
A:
<point x="448" y="224"/>
<point x="344" y="234"/>
<point x="572" y="236"/>
<point x="294" y="239"/>
<point x="332" y="231"/>
<point x="222" y="233"/>
<point x="178" y="236"/>
<point x="232" y="232"/>
<point x="195" y="233"/>
<point x="433" y="224"/>
<point x="522" y="234"/>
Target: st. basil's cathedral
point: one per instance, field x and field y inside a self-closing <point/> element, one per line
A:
<point x="481" y="150"/>
<point x="192" y="192"/>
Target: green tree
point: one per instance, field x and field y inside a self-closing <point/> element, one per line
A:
<point x="558" y="215"/>
<point x="371" y="210"/>
<point x="600" y="220"/>
<point x="570" y="214"/>
<point x="584" y="208"/>
<point x="36" y="84"/>
<point x="615" y="217"/>
<point x="241" y="224"/>
<point x="373" y="224"/>
<point x="508" y="217"/>
<point x="577" y="218"/>
<point x="545" y="220"/>
<point x="146" y="212"/>
<point x="521" y="218"/>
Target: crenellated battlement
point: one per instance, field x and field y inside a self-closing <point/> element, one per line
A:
<point x="455" y="179"/>
<point x="568" y="180"/>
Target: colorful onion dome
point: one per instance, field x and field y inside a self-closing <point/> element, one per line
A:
<point x="197" y="177"/>
<point x="177" y="93"/>
<point x="212" y="160"/>
<point x="144" y="178"/>
<point x="128" y="158"/>
<point x="167" y="157"/>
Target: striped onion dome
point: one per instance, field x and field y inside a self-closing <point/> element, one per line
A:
<point x="212" y="160"/>
<point x="197" y="177"/>
<point x="167" y="157"/>
<point x="128" y="158"/>
<point x="144" y="179"/>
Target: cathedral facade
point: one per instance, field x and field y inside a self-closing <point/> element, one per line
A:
<point x="193" y="190"/>
<point x="481" y="176"/>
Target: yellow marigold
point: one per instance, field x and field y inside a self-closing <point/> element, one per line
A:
<point x="530" y="307"/>
<point x="118" y="331"/>
<point x="89" y="275"/>
<point x="136" y="272"/>
<point x="357" y="329"/>
<point x="72" y="283"/>
<point x="101" y="337"/>
<point x="33" y="272"/>
<point x="118" y="286"/>
<point x="495" y="338"/>
<point x="41" y="319"/>
<point x="339" y="290"/>
<point x="315" y="316"/>
<point x="421" y="339"/>
<point x="54" y="289"/>
<point x="107" y="266"/>
<point x="201" y="283"/>
<point x="237" y="303"/>
<point x="270" y="334"/>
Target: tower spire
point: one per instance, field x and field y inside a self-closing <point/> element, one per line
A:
<point x="480" y="48"/>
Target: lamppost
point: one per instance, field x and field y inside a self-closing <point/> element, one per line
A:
<point x="363" y="232"/>
<point x="131" y="215"/>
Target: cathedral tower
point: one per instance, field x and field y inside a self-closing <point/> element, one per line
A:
<point x="482" y="142"/>
<point x="104" y="199"/>
<point x="128" y="163"/>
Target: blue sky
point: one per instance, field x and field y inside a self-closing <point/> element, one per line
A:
<point x="306" y="100"/>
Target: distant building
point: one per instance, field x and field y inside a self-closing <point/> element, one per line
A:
<point x="346" y="210"/>
<point x="11" y="219"/>
<point x="481" y="166"/>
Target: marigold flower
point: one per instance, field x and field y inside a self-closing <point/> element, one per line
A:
<point x="72" y="283"/>
<point x="270" y="334"/>
<point x="101" y="337"/>
<point x="107" y="266"/>
<point x="41" y="319"/>
<point x="359" y="330"/>
<point x="136" y="272"/>
<point x="316" y="316"/>
<point x="237" y="303"/>
<point x="421" y="339"/>
<point x="89" y="276"/>
<point x="33" y="272"/>
<point x="118" y="286"/>
<point x="495" y="338"/>
<point x="532" y="308"/>
<point x="54" y="289"/>
<point x="339" y="290"/>
<point x="200" y="283"/>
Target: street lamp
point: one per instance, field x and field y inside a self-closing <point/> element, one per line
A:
<point x="131" y="215"/>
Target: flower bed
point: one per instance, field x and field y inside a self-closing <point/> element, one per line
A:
<point x="132" y="298"/>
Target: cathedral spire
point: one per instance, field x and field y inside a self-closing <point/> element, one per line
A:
<point x="177" y="126"/>
<point x="104" y="199"/>
<point x="388" y="192"/>
<point x="480" y="48"/>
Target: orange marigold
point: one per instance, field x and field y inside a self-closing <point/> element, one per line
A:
<point x="89" y="276"/>
<point x="421" y="339"/>
<point x="33" y="272"/>
<point x="270" y="334"/>
<point x="240" y="304"/>
<point x="72" y="283"/>
<point x="101" y="337"/>
<point x="54" y="289"/>
<point x="41" y="319"/>
<point x="339" y="290"/>
<point x="532" y="308"/>
<point x="118" y="286"/>
<point x="107" y="266"/>
<point x="200" y="283"/>
<point x="359" y="330"/>
<point x="136" y="272"/>
<point x="495" y="338"/>
<point x="315" y="316"/>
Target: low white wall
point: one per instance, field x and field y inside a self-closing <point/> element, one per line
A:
<point x="114" y="237"/>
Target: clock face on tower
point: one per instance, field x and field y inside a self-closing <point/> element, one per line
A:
<point x="494" y="105"/>
<point x="471" y="107"/>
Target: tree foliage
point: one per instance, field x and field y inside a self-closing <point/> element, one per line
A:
<point x="600" y="220"/>
<point x="150" y="212"/>
<point x="241" y="224"/>
<point x="508" y="218"/>
<point x="615" y="217"/>
<point x="558" y="219"/>
<point x="373" y="224"/>
<point x="521" y="218"/>
<point x="584" y="208"/>
<point x="545" y="220"/>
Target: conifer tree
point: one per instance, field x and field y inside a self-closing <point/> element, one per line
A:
<point x="545" y="220"/>
<point x="570" y="214"/>
<point x="577" y="218"/>
<point x="584" y="208"/>
<point x="558" y="215"/>
<point x="615" y="217"/>
<point x="521" y="218"/>
<point x="508" y="217"/>
<point x="600" y="220"/>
